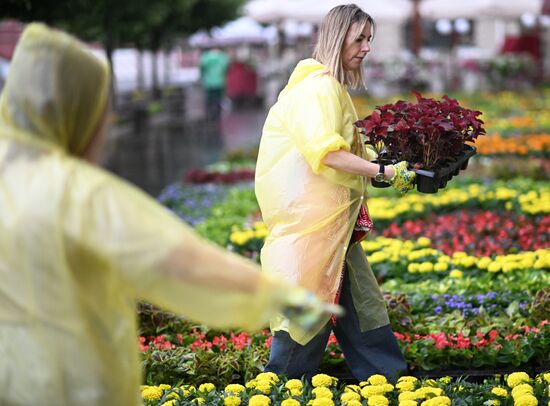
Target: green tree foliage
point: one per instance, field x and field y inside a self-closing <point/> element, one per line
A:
<point x="145" y="24"/>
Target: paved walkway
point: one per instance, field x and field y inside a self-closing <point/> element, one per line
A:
<point x="165" y="149"/>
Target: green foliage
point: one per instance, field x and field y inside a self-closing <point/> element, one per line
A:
<point x="237" y="207"/>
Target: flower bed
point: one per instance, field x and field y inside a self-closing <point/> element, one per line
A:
<point x="268" y="389"/>
<point x="526" y="144"/>
<point x="481" y="233"/>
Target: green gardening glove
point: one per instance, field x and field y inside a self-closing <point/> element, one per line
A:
<point x="403" y="180"/>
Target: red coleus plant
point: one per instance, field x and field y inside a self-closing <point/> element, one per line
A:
<point x="424" y="133"/>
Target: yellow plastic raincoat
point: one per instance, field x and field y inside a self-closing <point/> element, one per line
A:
<point x="310" y="209"/>
<point x="79" y="246"/>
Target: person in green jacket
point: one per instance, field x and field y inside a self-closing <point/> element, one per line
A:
<point x="213" y="68"/>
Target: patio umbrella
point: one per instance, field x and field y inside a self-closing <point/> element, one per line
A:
<point x="313" y="11"/>
<point x="506" y="9"/>
<point x="267" y="11"/>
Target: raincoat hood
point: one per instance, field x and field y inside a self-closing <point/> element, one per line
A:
<point x="56" y="92"/>
<point x="304" y="69"/>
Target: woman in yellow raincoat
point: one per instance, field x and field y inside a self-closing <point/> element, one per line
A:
<point x="311" y="186"/>
<point x="79" y="246"/>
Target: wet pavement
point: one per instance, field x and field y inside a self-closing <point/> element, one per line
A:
<point x="163" y="148"/>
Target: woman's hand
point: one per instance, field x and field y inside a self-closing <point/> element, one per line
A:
<point x="305" y="310"/>
<point x="402" y="179"/>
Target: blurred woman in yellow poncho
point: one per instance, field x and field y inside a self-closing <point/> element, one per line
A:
<point x="311" y="186"/>
<point x="79" y="246"/>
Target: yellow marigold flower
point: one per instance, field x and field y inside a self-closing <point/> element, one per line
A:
<point x="259" y="400"/>
<point x="232" y="401"/>
<point x="424" y="391"/>
<point x="441" y="267"/>
<point x="234" y="388"/>
<point x="445" y="380"/>
<point x="323" y="380"/>
<point x="514" y="379"/>
<point x="290" y="402"/>
<point x="378" y="400"/>
<point x="322" y="392"/>
<point x="521" y="389"/>
<point x="430" y="382"/>
<point x="198" y="401"/>
<point x="296" y="391"/>
<point x="405" y="386"/>
<point x="173" y="395"/>
<point x="483" y="262"/>
<point x="499" y="391"/>
<point x="455" y="273"/>
<point x="403" y="396"/>
<point x="354" y="403"/>
<point x="424" y="242"/>
<point x="152" y="393"/>
<point x="164" y="387"/>
<point x="369" y="391"/>
<point x="544" y="377"/>
<point x="294" y="384"/>
<point x="494" y="267"/>
<point x="426" y="267"/>
<point x="264" y="387"/>
<point x="459" y="254"/>
<point x="407" y="378"/>
<point x="526" y="400"/>
<point x="347" y="396"/>
<point x="377" y="380"/>
<point x="408" y="403"/>
<point x="206" y="387"/>
<point x="388" y="387"/>
<point x="169" y="403"/>
<point x="352" y="388"/>
<point x="437" y="401"/>
<point x="322" y="402"/>
<point x="251" y="384"/>
<point x="269" y="376"/>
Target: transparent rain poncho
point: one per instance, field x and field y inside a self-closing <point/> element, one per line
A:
<point x="310" y="209"/>
<point x="79" y="246"/>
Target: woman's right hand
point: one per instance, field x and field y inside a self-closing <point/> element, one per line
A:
<point x="403" y="178"/>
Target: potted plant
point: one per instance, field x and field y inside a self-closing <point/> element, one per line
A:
<point x="434" y="136"/>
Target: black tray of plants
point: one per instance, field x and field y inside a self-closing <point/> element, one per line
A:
<point x="432" y="181"/>
<point x="434" y="136"/>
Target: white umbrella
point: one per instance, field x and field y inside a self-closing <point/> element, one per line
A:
<point x="315" y="10"/>
<point x="506" y="9"/>
<point x="267" y="11"/>
<point x="239" y="31"/>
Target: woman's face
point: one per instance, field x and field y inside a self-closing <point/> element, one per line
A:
<point x="356" y="47"/>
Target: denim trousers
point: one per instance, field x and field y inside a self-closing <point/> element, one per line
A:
<point x="366" y="353"/>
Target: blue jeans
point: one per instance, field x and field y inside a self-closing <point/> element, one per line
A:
<point x="366" y="353"/>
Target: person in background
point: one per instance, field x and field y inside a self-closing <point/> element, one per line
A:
<point x="213" y="68"/>
<point x="79" y="246"/>
<point x="311" y="178"/>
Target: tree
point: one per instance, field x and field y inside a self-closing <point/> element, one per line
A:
<point x="145" y="24"/>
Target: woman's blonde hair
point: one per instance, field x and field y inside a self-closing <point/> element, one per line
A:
<point x="331" y="37"/>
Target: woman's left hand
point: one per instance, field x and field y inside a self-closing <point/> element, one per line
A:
<point x="403" y="179"/>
